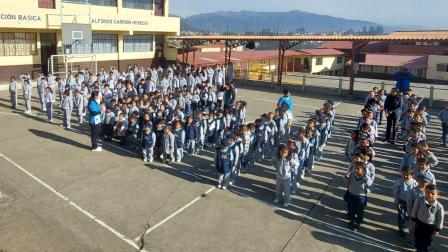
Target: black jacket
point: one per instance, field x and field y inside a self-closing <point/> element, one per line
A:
<point x="393" y="103"/>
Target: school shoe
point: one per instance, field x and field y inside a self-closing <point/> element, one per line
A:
<point x="293" y="192"/>
<point x="69" y="127"/>
<point x="151" y="160"/>
<point x="98" y="149"/>
<point x="224" y="187"/>
<point x="302" y="176"/>
<point x="219" y="186"/>
<point x="286" y="204"/>
<point x="276" y="201"/>
<point x="145" y="160"/>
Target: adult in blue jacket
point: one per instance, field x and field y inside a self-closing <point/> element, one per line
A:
<point x="403" y="78"/>
<point x="95" y="120"/>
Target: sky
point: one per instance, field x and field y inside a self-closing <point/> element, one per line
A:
<point x="427" y="13"/>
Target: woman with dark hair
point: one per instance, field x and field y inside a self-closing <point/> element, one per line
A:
<point x="95" y="120"/>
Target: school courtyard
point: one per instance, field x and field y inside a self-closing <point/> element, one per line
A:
<point x="57" y="195"/>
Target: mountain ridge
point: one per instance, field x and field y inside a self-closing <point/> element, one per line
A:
<point x="294" y="21"/>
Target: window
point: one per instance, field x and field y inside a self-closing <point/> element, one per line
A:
<point x="49" y="4"/>
<point x="138" y="4"/>
<point x="339" y="60"/>
<point x="319" y="61"/>
<point x="104" y="43"/>
<point x="18" y="43"/>
<point x="138" y="43"/>
<point x="101" y="43"/>
<point x="112" y="3"/>
<point x="442" y="67"/>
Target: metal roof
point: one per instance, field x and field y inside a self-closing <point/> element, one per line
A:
<point x="397" y="36"/>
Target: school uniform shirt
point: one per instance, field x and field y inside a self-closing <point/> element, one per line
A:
<point x="48" y="97"/>
<point x="168" y="143"/>
<point x="27" y="90"/>
<point x="66" y="103"/>
<point x="410" y="161"/>
<point x="429" y="213"/>
<point x="349" y="147"/>
<point x="413" y="196"/>
<point x="430" y="175"/>
<point x="13" y="87"/>
<point x="432" y="159"/>
<point x="402" y="188"/>
<point x="359" y="186"/>
<point x="283" y="167"/>
<point x="179" y="136"/>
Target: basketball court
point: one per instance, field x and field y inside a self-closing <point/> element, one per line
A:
<point x="59" y="196"/>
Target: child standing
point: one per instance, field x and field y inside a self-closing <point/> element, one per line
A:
<point x="351" y="144"/>
<point x="358" y="185"/>
<point x="149" y="140"/>
<point x="66" y="107"/>
<point x="223" y="163"/>
<point x="78" y="103"/>
<point x="48" y="97"/>
<point x="427" y="214"/>
<point x="168" y="145"/>
<point x="13" y="92"/>
<point x="283" y="165"/>
<point x="443" y="116"/>
<point x="401" y="191"/>
<point x="26" y="93"/>
<point x="192" y="135"/>
<point x="179" y="135"/>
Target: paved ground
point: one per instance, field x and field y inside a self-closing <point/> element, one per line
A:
<point x="56" y="195"/>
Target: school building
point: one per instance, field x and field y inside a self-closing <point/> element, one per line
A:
<point x="259" y="64"/>
<point x="61" y="35"/>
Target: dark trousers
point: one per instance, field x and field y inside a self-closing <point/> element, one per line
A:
<point x="444" y="133"/>
<point x="423" y="236"/>
<point x="402" y="215"/>
<point x="95" y="134"/>
<point x="356" y="205"/>
<point x="392" y="126"/>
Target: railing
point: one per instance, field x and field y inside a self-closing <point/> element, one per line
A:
<point x="342" y="84"/>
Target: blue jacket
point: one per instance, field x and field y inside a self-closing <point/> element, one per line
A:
<point x="94" y="110"/>
<point x="403" y="80"/>
<point x="191" y="132"/>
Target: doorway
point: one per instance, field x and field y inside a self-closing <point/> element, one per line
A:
<point x="48" y="47"/>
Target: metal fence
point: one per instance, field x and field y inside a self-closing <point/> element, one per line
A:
<point x="342" y="84"/>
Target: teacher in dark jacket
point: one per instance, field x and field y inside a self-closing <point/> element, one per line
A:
<point x="95" y="120"/>
<point x="392" y="108"/>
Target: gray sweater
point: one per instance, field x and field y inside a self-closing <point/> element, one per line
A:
<point x="359" y="186"/>
<point x="402" y="188"/>
<point x="431" y="214"/>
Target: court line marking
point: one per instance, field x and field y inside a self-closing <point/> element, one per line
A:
<point x="361" y="237"/>
<point x="180" y="210"/>
<point x="73" y="204"/>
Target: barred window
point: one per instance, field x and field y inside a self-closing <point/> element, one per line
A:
<point x="18" y="43"/>
<point x="112" y="3"/>
<point x="138" y="43"/>
<point x="138" y="4"/>
<point x="319" y="61"/>
<point x="104" y="43"/>
<point x="101" y="43"/>
<point x="49" y="4"/>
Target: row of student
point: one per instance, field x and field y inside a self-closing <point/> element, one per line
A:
<point x="415" y="194"/>
<point x="270" y="139"/>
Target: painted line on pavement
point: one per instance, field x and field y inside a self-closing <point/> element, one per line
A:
<point x="73" y="204"/>
<point x="359" y="237"/>
<point x="180" y="210"/>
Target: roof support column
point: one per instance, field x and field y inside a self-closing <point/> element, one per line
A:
<point x="281" y="59"/>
